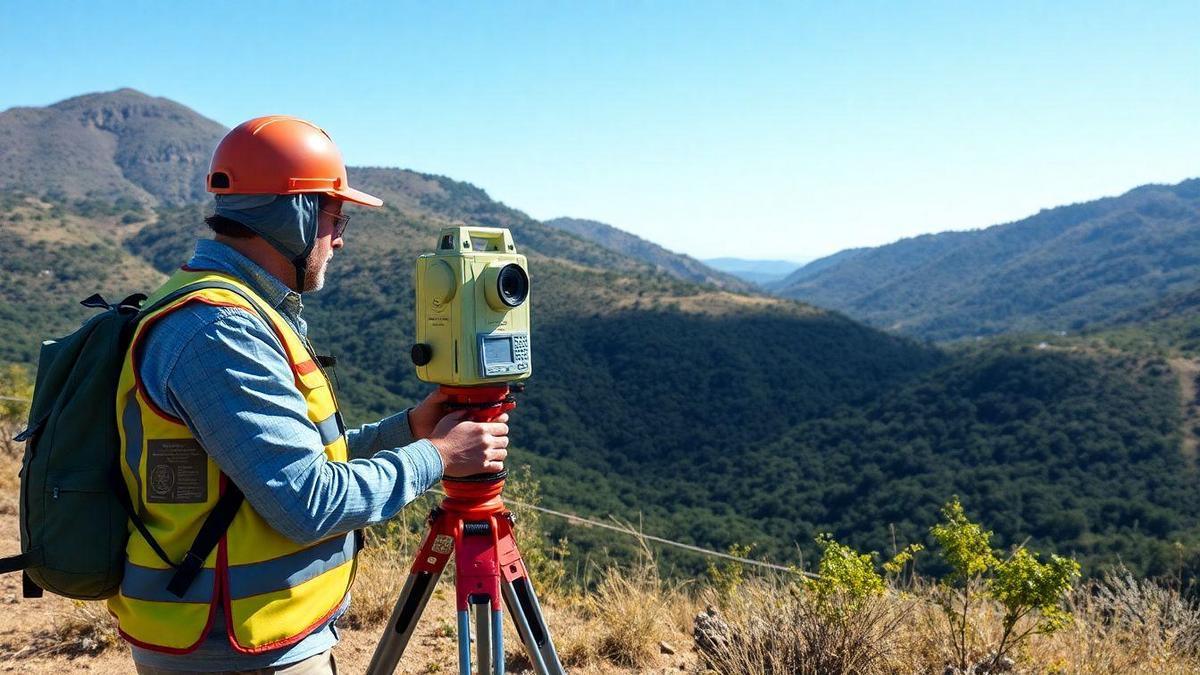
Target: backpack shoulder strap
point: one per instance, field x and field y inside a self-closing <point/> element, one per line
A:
<point x="200" y="286"/>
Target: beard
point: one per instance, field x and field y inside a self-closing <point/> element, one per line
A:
<point x="314" y="271"/>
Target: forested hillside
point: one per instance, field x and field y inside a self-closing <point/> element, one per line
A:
<point x="1066" y="268"/>
<point x="719" y="418"/>
<point x="1075" y="447"/>
<point x="709" y="416"/>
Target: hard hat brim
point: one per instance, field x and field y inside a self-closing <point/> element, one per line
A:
<point x="349" y="194"/>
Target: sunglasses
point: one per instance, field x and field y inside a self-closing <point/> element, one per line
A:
<point x="340" y="221"/>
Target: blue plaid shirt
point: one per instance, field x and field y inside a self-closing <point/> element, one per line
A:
<point x="225" y="374"/>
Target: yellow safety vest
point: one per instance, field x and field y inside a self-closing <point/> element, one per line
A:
<point x="273" y="591"/>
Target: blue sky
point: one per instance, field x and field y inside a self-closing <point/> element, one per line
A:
<point x="787" y="130"/>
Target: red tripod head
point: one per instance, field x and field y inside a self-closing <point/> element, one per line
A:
<point x="488" y="402"/>
<point x="480" y="493"/>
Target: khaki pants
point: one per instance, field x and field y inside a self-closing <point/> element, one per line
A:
<point x="321" y="664"/>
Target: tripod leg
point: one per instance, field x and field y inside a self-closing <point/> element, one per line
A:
<point x="497" y="641"/>
<point x="483" y="637"/>
<point x="426" y="570"/>
<point x="489" y="638"/>
<point x="402" y="623"/>
<point x="526" y="613"/>
<point x="522" y="603"/>
<point x="464" y="643"/>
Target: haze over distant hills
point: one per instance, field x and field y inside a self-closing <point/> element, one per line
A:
<point x="1064" y="268"/>
<point x="761" y="272"/>
<point x="709" y="416"/>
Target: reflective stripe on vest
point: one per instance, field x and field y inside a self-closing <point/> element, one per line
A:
<point x="273" y="590"/>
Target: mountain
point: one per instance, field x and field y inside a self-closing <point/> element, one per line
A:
<point x="676" y="264"/>
<point x="118" y="144"/>
<point x="815" y="267"/>
<point x="708" y="416"/>
<point x="760" y="272"/>
<point x="1063" y="269"/>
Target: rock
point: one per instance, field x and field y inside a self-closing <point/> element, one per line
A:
<point x="665" y="648"/>
<point x="1003" y="665"/>
<point x="709" y="632"/>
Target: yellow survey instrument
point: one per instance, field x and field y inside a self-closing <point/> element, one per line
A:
<point x="472" y="309"/>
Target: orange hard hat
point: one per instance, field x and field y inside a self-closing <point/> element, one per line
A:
<point x="281" y="155"/>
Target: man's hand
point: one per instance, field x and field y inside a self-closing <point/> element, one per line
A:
<point x="423" y="419"/>
<point x="470" y="447"/>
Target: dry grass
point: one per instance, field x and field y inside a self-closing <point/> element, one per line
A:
<point x="86" y="627"/>
<point x="633" y="612"/>
<point x="1125" y="625"/>
<point x="10" y="466"/>
<point x="773" y="626"/>
<point x="926" y="635"/>
<point x="383" y="567"/>
<point x="632" y="621"/>
<point x="10" y="427"/>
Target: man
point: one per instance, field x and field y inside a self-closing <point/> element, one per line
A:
<point x="221" y="395"/>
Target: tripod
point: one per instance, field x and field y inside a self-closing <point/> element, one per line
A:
<point x="473" y="523"/>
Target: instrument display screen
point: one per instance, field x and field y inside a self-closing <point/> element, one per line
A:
<point x="504" y="354"/>
<point x="498" y="350"/>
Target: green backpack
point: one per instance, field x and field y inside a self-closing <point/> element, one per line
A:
<point x="75" y="508"/>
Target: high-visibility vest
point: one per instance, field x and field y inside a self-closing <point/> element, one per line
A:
<point x="273" y="591"/>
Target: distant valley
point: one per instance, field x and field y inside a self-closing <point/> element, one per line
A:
<point x="761" y="272"/>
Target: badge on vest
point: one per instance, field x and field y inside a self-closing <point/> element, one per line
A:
<point x="178" y="471"/>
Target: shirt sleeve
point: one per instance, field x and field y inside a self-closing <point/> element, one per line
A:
<point x="229" y="380"/>
<point x="390" y="432"/>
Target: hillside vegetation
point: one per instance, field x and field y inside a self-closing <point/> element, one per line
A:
<point x="1065" y="269"/>
<point x="55" y="255"/>
<point x="722" y="419"/>
<point x="707" y="416"/>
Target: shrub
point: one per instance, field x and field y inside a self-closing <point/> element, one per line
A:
<point x="725" y="579"/>
<point x="1030" y="593"/>
<point x="545" y="560"/>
